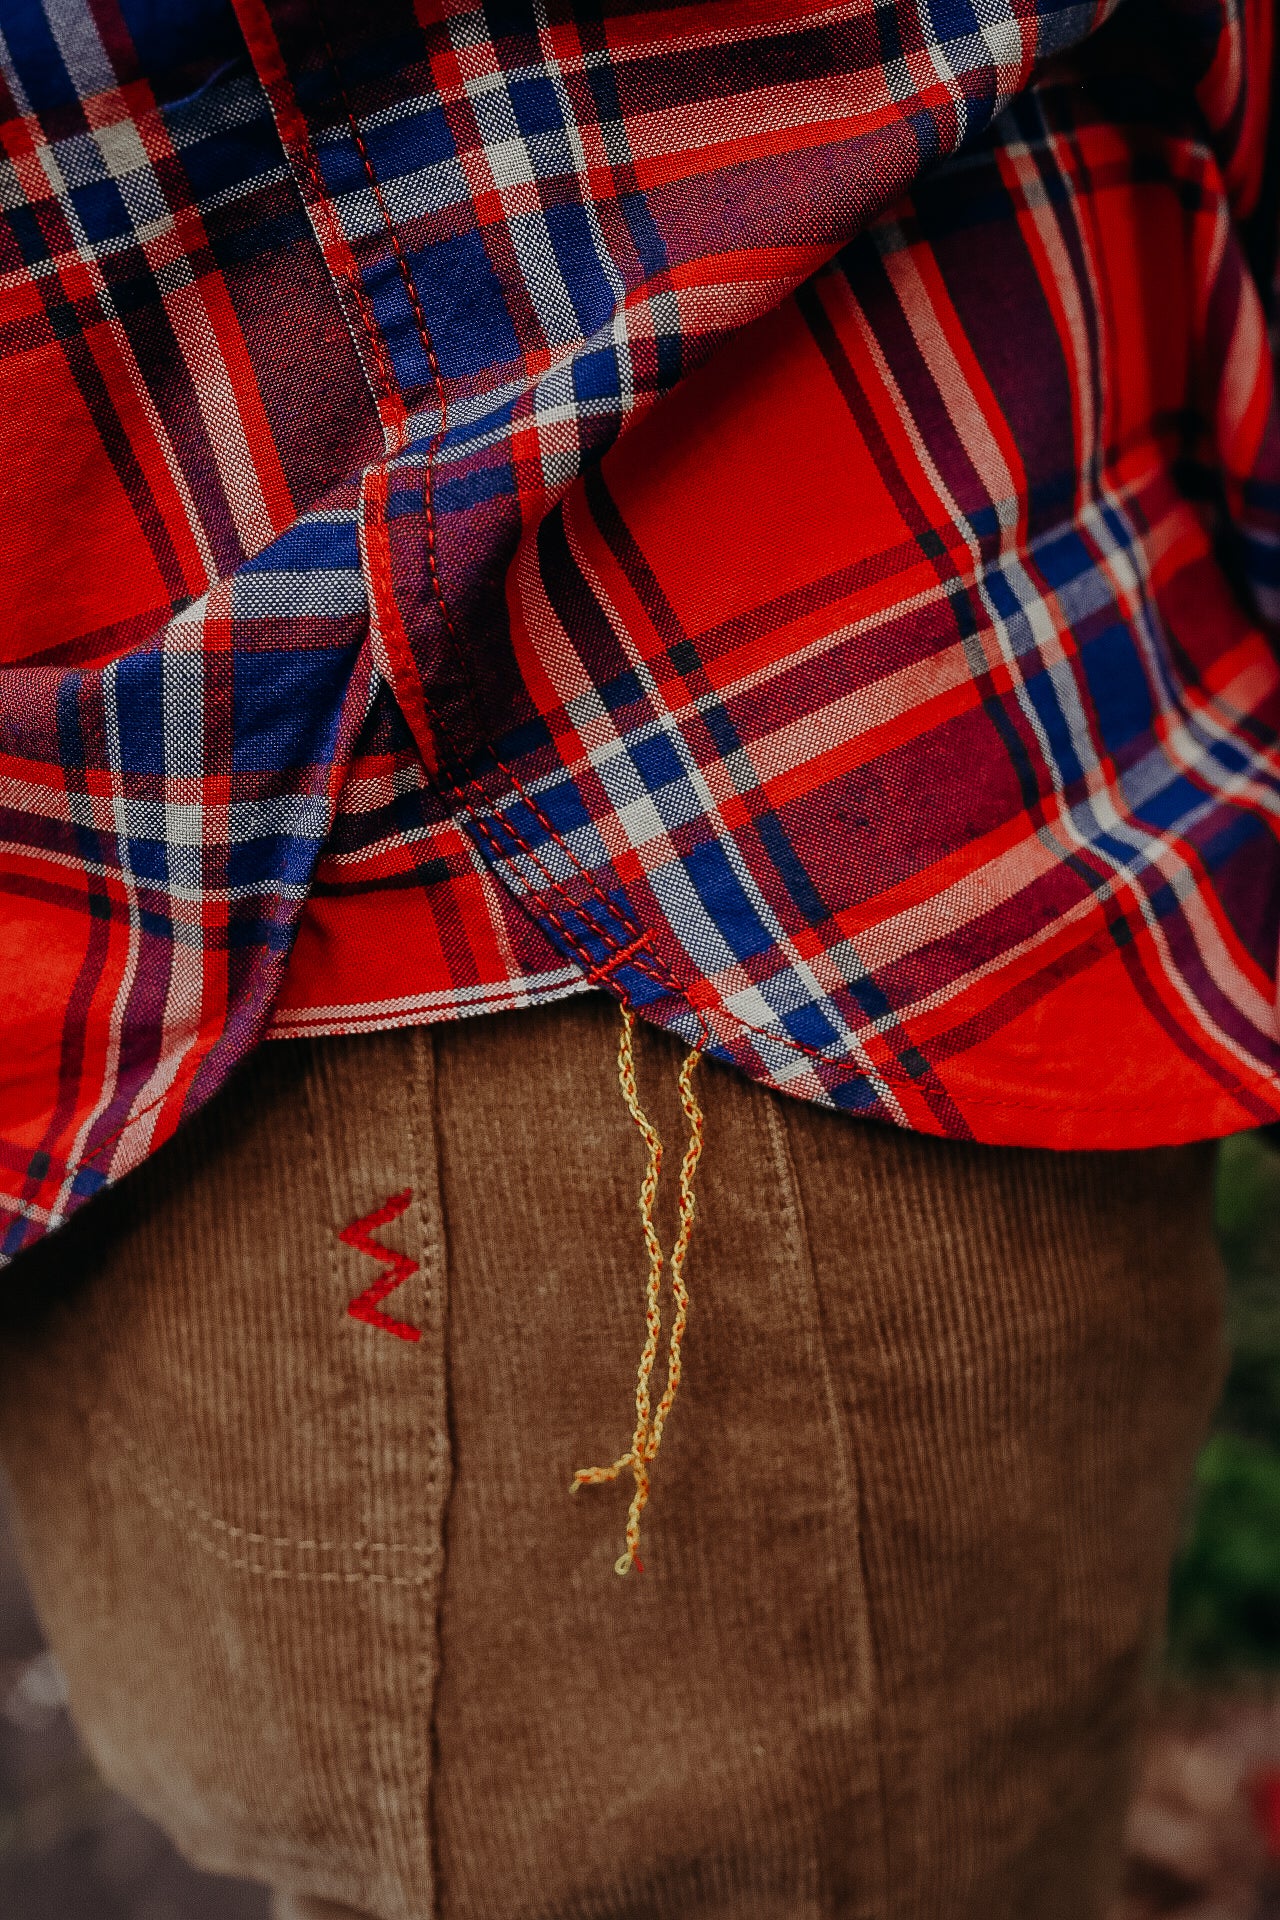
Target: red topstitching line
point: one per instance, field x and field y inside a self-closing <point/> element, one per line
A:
<point x="428" y="347"/>
<point x="419" y="320"/>
<point x="380" y="565"/>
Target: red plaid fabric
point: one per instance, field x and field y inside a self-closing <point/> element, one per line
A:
<point x="891" y="708"/>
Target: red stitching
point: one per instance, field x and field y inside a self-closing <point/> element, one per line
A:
<point x="437" y="588"/>
<point x="419" y="321"/>
<point x="594" y="969"/>
<point x="382" y="589"/>
<point x="399" y="1267"/>
<point x="620" y="958"/>
<point x="269" y="61"/>
<point x="584" y="873"/>
<point x="368" y="321"/>
<point x="390" y="386"/>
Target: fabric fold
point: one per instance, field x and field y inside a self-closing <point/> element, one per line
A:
<point x="390" y="380"/>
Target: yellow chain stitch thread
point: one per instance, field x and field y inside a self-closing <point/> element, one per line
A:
<point x="649" y="1426"/>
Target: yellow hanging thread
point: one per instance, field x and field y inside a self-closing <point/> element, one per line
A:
<point x="649" y="1425"/>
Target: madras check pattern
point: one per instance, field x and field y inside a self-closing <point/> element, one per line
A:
<point x="891" y="709"/>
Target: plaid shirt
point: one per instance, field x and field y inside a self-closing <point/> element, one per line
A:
<point x="891" y="708"/>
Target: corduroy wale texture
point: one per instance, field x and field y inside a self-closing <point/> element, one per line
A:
<point x="894" y="703"/>
<point x="327" y="1608"/>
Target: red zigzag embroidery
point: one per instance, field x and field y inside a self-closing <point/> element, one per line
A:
<point x="399" y="1267"/>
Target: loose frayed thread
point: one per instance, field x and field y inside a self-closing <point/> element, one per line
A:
<point x="649" y="1425"/>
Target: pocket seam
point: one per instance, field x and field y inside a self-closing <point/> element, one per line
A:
<point x="122" y="1455"/>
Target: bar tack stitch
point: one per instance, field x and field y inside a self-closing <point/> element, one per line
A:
<point x="367" y="1306"/>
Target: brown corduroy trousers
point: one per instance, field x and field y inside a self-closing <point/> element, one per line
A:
<point x="328" y="1611"/>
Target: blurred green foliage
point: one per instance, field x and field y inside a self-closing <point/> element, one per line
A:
<point x="1224" y="1600"/>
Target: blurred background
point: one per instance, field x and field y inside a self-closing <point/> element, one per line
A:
<point x="1204" y="1830"/>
